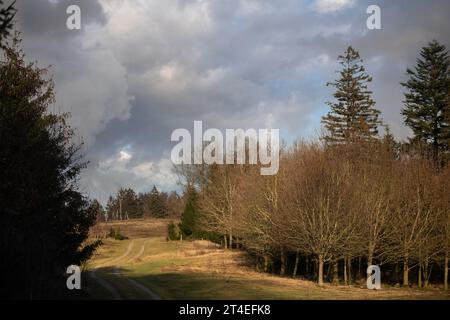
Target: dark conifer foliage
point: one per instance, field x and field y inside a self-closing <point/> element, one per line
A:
<point x="353" y="115"/>
<point x="189" y="219"/>
<point x="44" y="219"/>
<point x="157" y="203"/>
<point x="427" y="100"/>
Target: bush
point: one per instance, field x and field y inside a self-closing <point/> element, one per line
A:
<point x="116" y="234"/>
<point x="173" y="232"/>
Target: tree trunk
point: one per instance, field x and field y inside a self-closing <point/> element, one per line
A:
<point x="297" y="258"/>
<point x="359" y="267"/>
<point x="446" y="274"/>
<point x="349" y="267"/>
<point x="370" y="257"/>
<point x="426" y="274"/>
<point x="405" y="272"/>
<point x="419" y="277"/>
<point x="283" y="262"/>
<point x="225" y="242"/>
<point x="345" y="271"/>
<point x="230" y="242"/>
<point x="266" y="263"/>
<point x="307" y="265"/>
<point x="335" y="272"/>
<point x="320" y="274"/>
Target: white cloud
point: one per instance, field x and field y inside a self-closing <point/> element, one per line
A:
<point x="120" y="171"/>
<point x="124" y="156"/>
<point x="160" y="173"/>
<point x="167" y="72"/>
<point x="326" y="6"/>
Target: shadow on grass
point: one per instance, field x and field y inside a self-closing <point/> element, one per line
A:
<point x="217" y="286"/>
<point x="201" y="286"/>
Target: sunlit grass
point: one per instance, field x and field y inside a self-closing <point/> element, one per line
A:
<point x="198" y="270"/>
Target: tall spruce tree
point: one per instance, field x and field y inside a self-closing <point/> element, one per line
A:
<point x="190" y="214"/>
<point x="44" y="219"/>
<point x="156" y="204"/>
<point x="352" y="116"/>
<point x="426" y="102"/>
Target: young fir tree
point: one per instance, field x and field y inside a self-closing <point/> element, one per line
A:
<point x="156" y="204"/>
<point x="189" y="216"/>
<point x="391" y="145"/>
<point x="352" y="116"/>
<point x="426" y="101"/>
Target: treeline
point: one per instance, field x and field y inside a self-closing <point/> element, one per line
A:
<point x="352" y="199"/>
<point x="126" y="204"/>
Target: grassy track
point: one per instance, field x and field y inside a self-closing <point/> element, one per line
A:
<point x="151" y="268"/>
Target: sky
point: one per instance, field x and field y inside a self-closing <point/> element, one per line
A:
<point x="139" y="69"/>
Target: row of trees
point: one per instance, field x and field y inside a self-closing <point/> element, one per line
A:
<point x="355" y="198"/>
<point x="335" y="206"/>
<point x="126" y="204"/>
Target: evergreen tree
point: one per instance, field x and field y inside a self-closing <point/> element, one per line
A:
<point x="111" y="208"/>
<point x="44" y="219"/>
<point x="127" y="204"/>
<point x="426" y="101"/>
<point x="392" y="146"/>
<point x="156" y="204"/>
<point x="97" y="209"/>
<point x="190" y="214"/>
<point x="353" y="116"/>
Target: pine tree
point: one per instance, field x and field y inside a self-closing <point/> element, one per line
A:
<point x="97" y="209"/>
<point x="392" y="146"/>
<point x="352" y="116"/>
<point x="189" y="216"/>
<point x="426" y="101"/>
<point x="156" y="204"/>
<point x="127" y="204"/>
<point x="44" y="219"/>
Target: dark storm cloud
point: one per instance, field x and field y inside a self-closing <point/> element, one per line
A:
<point x="90" y="82"/>
<point x="139" y="69"/>
<point x="48" y="17"/>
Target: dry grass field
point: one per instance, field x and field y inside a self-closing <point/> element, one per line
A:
<point x="146" y="266"/>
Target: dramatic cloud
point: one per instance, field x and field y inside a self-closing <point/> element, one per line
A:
<point x="139" y="69"/>
<point x="91" y="83"/>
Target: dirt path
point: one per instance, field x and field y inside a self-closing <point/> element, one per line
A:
<point x="140" y="253"/>
<point x="105" y="284"/>
<point x="151" y="295"/>
<point x="116" y="263"/>
<point x="120" y="259"/>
